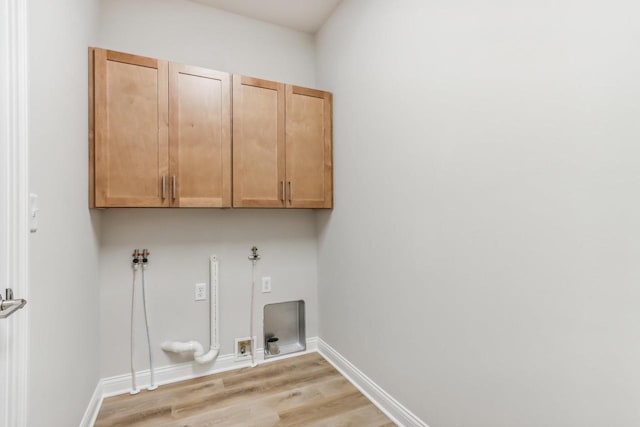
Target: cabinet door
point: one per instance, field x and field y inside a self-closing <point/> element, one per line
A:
<point x="308" y="148"/>
<point x="258" y="143"/>
<point x="200" y="137"/>
<point x="131" y="130"/>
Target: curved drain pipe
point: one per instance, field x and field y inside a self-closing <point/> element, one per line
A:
<point x="214" y="319"/>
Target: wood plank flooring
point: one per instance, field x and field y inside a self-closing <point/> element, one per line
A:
<point x="299" y="391"/>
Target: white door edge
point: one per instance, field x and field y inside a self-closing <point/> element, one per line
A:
<point x="15" y="195"/>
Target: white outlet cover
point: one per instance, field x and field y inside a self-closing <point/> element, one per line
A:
<point x="266" y="284"/>
<point x="201" y="291"/>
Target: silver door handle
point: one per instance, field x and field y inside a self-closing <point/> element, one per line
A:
<point x="173" y="187"/>
<point x="290" y="192"/>
<point x="9" y="305"/>
<point x="164" y="187"/>
<point x="284" y="190"/>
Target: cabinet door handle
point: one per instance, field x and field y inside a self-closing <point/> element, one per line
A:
<point x="173" y="187"/>
<point x="164" y="187"/>
<point x="290" y="191"/>
<point x="284" y="190"/>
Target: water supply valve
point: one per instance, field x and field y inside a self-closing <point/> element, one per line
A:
<point x="135" y="262"/>
<point x="145" y="256"/>
<point x="254" y="254"/>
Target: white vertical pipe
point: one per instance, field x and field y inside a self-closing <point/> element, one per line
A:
<point x="214" y="313"/>
<point x="253" y="291"/>
<point x="214" y="321"/>
<point x="134" y="387"/>
<point x="214" y="317"/>
<point x="152" y="383"/>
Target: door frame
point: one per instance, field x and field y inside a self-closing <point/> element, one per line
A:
<point x="15" y="198"/>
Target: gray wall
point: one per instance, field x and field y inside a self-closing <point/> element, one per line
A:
<point x="182" y="240"/>
<point x="192" y="33"/>
<point x="481" y="263"/>
<point x="63" y="296"/>
<point x="180" y="244"/>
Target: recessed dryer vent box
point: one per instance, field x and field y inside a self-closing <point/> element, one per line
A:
<point x="285" y="321"/>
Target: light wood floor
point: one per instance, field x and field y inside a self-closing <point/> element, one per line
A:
<point x="304" y="390"/>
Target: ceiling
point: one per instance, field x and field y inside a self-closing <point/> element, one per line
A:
<point x="302" y="15"/>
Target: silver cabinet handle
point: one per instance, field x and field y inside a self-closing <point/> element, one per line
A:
<point x="284" y="190"/>
<point x="290" y="191"/>
<point x="173" y="187"/>
<point x="164" y="187"/>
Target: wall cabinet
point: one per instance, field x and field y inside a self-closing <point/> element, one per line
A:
<point x="258" y="143"/>
<point x="199" y="137"/>
<point x="131" y="142"/>
<point x="160" y="135"/>
<point x="282" y="148"/>
<point x="308" y="148"/>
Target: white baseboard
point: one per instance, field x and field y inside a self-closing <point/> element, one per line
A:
<point x="121" y="384"/>
<point x="383" y="400"/>
<point x="90" y="415"/>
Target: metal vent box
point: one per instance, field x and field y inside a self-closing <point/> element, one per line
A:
<point x="285" y="321"/>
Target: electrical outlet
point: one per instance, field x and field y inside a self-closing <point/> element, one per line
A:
<point x="266" y="284"/>
<point x="201" y="291"/>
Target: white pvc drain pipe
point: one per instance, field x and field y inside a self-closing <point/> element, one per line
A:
<point x="214" y="320"/>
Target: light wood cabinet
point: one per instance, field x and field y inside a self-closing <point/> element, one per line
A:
<point x="258" y="143"/>
<point x="308" y="148"/>
<point x="199" y="137"/>
<point x="160" y="133"/>
<point x="131" y="145"/>
<point x="282" y="151"/>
